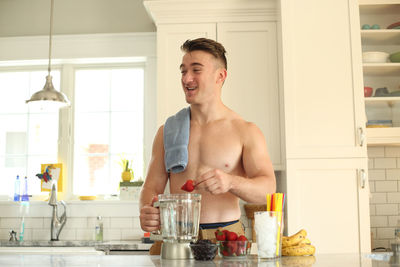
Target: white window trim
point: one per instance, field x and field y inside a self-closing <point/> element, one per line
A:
<point x="87" y="50"/>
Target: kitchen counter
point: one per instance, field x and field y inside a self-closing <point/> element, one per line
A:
<point x="322" y="260"/>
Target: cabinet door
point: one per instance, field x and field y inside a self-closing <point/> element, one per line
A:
<point x="330" y="199"/>
<point x="170" y="37"/>
<point x="251" y="88"/>
<point x="322" y="77"/>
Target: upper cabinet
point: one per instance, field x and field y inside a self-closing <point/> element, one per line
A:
<point x="380" y="32"/>
<point x="322" y="77"/>
<point x="248" y="31"/>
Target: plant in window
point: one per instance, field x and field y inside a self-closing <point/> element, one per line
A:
<point x="127" y="172"/>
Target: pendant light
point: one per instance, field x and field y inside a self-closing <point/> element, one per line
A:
<point x="48" y="96"/>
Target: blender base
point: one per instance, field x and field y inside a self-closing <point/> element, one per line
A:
<point x="176" y="251"/>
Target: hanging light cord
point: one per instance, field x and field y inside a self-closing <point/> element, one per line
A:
<point x="50" y="35"/>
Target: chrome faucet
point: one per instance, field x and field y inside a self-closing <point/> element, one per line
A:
<point x="57" y="223"/>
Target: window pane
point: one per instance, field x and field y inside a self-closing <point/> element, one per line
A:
<point x="92" y="90"/>
<point x="108" y="126"/>
<point x="24" y="133"/>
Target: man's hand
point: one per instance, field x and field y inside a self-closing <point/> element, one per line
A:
<point x="214" y="181"/>
<point x="150" y="217"/>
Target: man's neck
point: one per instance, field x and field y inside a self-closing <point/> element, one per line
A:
<point x="204" y="114"/>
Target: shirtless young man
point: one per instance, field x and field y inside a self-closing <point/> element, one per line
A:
<point x="228" y="156"/>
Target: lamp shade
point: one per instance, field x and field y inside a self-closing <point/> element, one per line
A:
<point x="48" y="93"/>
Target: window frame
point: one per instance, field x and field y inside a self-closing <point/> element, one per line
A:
<point x="74" y="52"/>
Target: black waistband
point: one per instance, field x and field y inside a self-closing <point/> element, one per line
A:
<point x="216" y="225"/>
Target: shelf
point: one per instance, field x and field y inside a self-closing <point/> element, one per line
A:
<point x="382" y="8"/>
<point x="371" y="101"/>
<point x="381" y="69"/>
<point x="383" y="136"/>
<point x="380" y="37"/>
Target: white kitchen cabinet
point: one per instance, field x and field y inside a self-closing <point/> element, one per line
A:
<point x="248" y="32"/>
<point x="322" y="79"/>
<point x="330" y="199"/>
<point x="325" y="124"/>
<point x="379" y="75"/>
<point x="252" y="64"/>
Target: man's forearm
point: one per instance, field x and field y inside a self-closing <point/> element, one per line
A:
<point x="253" y="190"/>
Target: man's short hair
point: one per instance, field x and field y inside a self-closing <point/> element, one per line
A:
<point x="207" y="45"/>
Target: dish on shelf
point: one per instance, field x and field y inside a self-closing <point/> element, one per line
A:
<point x="379" y="123"/>
<point x="368" y="91"/>
<point x="395" y="57"/>
<point x="395" y="25"/>
<point x="375" y="57"/>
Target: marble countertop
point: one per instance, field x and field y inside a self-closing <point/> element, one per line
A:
<point x="322" y="260"/>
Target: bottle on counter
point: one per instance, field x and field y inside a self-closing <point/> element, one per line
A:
<point x="17" y="189"/>
<point x="397" y="232"/>
<point x="99" y="229"/>
<point x="24" y="188"/>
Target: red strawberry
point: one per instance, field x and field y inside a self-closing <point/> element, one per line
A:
<point x="188" y="186"/>
<point x="242" y="238"/>
<point x="220" y="236"/>
<point x="232" y="247"/>
<point x="231" y="236"/>
<point x="225" y="253"/>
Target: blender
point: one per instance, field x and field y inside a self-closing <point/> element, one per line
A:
<point x="180" y="217"/>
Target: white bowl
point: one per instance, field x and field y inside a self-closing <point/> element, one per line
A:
<point x="375" y="57"/>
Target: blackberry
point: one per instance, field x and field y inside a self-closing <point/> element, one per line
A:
<point x="204" y="250"/>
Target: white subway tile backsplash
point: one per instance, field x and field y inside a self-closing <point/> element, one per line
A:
<point x="376" y="152"/>
<point x="85" y="234"/>
<point x="372" y="186"/>
<point x="377" y="174"/>
<point x="384" y="174"/>
<point x="131" y="234"/>
<point x="68" y="234"/>
<point x="393" y="197"/>
<point x="385" y="186"/>
<point x="76" y="223"/>
<point x="385" y="233"/>
<point x="370" y="163"/>
<point x="112" y="234"/>
<point x="393" y="174"/>
<point x="378" y="198"/>
<point x="33" y="222"/>
<point x="92" y="222"/>
<point x="372" y="210"/>
<point x="386" y="209"/>
<point x="394" y="221"/>
<point x="121" y="223"/>
<point x="41" y="234"/>
<point x="11" y="223"/>
<point x="379" y="221"/>
<point x="392" y="151"/>
<point x="385" y="163"/>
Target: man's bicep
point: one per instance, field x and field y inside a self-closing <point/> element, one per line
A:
<point x="256" y="160"/>
<point x="157" y="177"/>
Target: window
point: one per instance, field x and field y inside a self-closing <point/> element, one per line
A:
<point x="107" y="123"/>
<point x="28" y="137"/>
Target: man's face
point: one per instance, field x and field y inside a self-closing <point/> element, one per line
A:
<point x="200" y="77"/>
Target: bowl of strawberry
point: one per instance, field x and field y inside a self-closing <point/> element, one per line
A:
<point x="230" y="245"/>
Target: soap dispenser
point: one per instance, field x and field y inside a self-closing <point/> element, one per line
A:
<point x="99" y="229"/>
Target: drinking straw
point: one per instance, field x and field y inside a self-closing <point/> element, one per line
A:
<point x="268" y="202"/>
<point x="279" y="209"/>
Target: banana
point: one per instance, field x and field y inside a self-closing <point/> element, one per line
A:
<point x="299" y="250"/>
<point x="293" y="240"/>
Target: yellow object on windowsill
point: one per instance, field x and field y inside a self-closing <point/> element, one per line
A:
<point x="87" y="197"/>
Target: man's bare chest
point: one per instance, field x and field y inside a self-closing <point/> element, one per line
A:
<point x="216" y="148"/>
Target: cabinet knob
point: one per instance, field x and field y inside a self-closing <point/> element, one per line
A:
<point x="363" y="178"/>
<point x="361" y="136"/>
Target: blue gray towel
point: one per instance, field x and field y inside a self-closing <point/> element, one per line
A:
<point x="176" y="141"/>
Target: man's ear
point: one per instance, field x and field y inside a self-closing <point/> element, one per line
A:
<point x="222" y="74"/>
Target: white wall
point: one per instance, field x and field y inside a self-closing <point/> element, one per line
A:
<point x="31" y="17"/>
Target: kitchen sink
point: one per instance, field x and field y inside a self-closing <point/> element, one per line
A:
<point x="50" y="250"/>
<point x="49" y="247"/>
